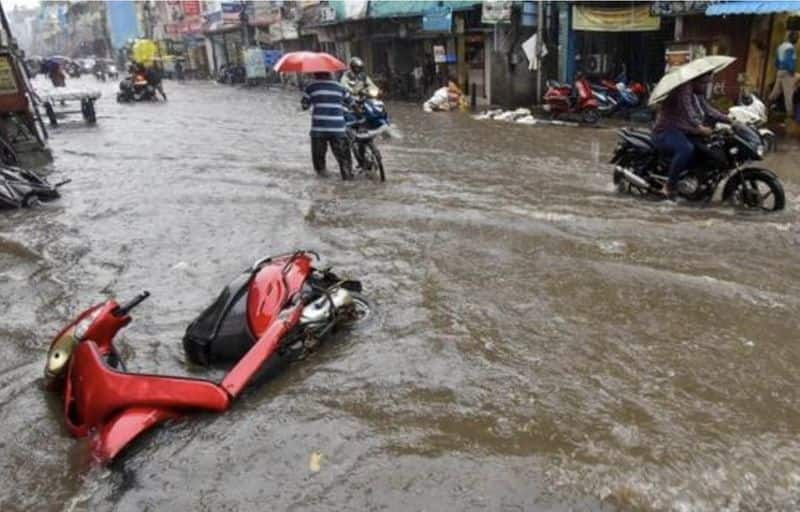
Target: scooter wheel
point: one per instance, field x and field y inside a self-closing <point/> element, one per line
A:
<point x="361" y="312"/>
<point x="591" y="116"/>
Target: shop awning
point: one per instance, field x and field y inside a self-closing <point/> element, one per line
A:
<point x="747" y="7"/>
<point x="407" y="9"/>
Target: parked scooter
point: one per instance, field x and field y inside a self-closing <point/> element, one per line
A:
<point x="577" y="100"/>
<point x="232" y="75"/>
<point x="616" y="97"/>
<point x="23" y="188"/>
<point x="753" y="113"/>
<point x="274" y="313"/>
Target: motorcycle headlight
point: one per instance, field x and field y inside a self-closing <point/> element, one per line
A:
<point x="760" y="150"/>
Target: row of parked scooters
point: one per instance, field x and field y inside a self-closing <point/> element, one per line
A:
<point x="589" y="100"/>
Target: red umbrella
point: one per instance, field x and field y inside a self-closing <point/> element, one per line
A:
<point x="308" y="62"/>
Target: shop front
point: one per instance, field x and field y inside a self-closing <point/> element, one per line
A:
<point x="767" y="25"/>
<point x="612" y="41"/>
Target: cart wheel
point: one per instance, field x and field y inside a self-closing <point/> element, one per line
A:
<point x="87" y="107"/>
<point x="51" y="114"/>
<point x="7" y="153"/>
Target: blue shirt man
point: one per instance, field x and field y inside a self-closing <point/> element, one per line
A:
<point x="328" y="101"/>
<point x="784" y="78"/>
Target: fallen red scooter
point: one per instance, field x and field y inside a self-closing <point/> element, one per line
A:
<point x="561" y="99"/>
<point x="274" y="313"/>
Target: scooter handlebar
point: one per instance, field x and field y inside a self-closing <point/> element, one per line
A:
<point x="127" y="307"/>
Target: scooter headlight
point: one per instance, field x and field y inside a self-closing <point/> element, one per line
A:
<point x="59" y="355"/>
<point x="61" y="350"/>
<point x="760" y="150"/>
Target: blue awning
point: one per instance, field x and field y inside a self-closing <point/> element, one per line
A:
<point x="748" y="7"/>
<point x="413" y="8"/>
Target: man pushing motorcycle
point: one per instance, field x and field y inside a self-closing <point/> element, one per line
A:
<point x="328" y="100"/>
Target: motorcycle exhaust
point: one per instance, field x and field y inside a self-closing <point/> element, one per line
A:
<point x="633" y="178"/>
<point x="320" y="310"/>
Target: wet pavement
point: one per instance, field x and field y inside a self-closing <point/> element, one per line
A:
<point x="539" y="342"/>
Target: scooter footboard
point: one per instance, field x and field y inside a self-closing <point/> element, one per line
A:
<point x="123" y="428"/>
<point x="94" y="392"/>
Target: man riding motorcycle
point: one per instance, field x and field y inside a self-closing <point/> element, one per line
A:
<point x="356" y="81"/>
<point x="685" y="114"/>
<point x="360" y="86"/>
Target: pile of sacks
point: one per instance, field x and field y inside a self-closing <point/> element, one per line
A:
<point x="521" y="115"/>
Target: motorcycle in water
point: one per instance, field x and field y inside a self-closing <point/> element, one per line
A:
<point x="274" y="313"/>
<point x="727" y="154"/>
<point x="753" y="113"/>
<point x="365" y="122"/>
<point x="23" y="188"/>
<point x="136" y="88"/>
<point x="560" y="99"/>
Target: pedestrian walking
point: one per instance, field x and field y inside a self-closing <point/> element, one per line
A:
<point x="328" y="99"/>
<point x="785" y="79"/>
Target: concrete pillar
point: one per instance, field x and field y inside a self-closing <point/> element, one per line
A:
<point x="461" y="58"/>
<point x="566" y="43"/>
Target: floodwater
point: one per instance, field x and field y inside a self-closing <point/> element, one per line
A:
<point x="539" y="342"/>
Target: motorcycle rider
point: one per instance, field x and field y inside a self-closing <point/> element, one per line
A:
<point x="685" y="114"/>
<point x="355" y="80"/>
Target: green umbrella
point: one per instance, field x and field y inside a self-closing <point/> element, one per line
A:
<point x="686" y="73"/>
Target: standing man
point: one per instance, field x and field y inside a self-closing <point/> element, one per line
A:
<point x="784" y="80"/>
<point x="328" y="99"/>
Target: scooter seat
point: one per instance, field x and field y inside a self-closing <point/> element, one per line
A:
<point x="555" y="84"/>
<point x="95" y="393"/>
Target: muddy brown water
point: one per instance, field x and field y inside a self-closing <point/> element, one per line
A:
<point x="539" y="342"/>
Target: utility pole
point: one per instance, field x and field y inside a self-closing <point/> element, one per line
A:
<point x="244" y="20"/>
<point x="539" y="45"/>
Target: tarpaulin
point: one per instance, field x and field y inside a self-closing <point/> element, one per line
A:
<point x="631" y="18"/>
<point x="145" y="52"/>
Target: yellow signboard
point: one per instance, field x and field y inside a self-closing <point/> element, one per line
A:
<point x="8" y="83"/>
<point x="631" y="18"/>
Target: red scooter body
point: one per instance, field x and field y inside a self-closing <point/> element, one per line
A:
<point x="578" y="99"/>
<point x="112" y="407"/>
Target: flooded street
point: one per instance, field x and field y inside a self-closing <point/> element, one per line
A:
<point x="539" y="342"/>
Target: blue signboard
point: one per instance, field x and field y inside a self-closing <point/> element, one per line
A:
<point x="231" y="7"/>
<point x="437" y="19"/>
<point x="271" y="57"/>
<point x="122" y="22"/>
